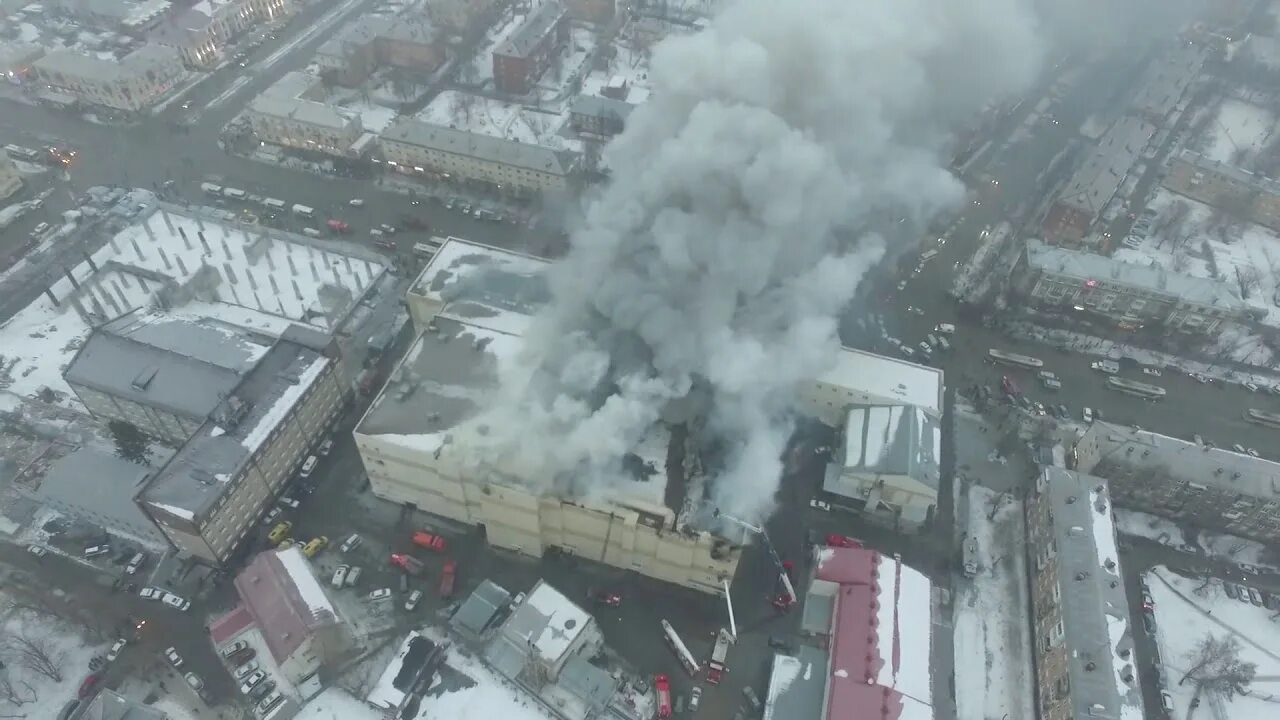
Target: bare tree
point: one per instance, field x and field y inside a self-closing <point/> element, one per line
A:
<point x="1249" y="278"/>
<point x="1180" y="261"/>
<point x="1216" y="666"/>
<point x="17" y="694"/>
<point x="37" y="654"/>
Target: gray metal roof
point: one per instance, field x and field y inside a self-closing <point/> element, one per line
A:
<point x="202" y="469"/>
<point x="99" y="481"/>
<point x="180" y="364"/>
<point x="804" y="690"/>
<point x="1252" y="180"/>
<point x="480" y="608"/>
<point x="305" y="111"/>
<point x="1168" y="77"/>
<point x="539" y="158"/>
<point x="1086" y="266"/>
<point x="601" y="107"/>
<point x="891" y="440"/>
<point x="438" y="382"/>
<point x="1185" y="460"/>
<point x="1098" y="631"/>
<point x="1093" y="185"/>
<point x="525" y="38"/>
<point x="476" y="282"/>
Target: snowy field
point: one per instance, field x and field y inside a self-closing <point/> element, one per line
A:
<point x="627" y="63"/>
<point x="1223" y="547"/>
<point x="261" y="283"/>
<point x="485" y="696"/>
<point x="45" y="660"/>
<point x="1238" y="132"/>
<point x="991" y="618"/>
<point x="495" y="118"/>
<point x="1248" y="260"/>
<point x="1189" y="610"/>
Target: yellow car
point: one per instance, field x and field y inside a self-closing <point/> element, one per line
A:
<point x="279" y="532"/>
<point x="315" y="546"/>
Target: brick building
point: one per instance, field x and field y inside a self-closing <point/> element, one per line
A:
<point x="528" y="51"/>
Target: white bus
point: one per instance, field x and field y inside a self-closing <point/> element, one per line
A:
<point x="1007" y="358"/>
<point x="1133" y="387"/>
<point x="22" y="153"/>
<point x="273" y="203"/>
<point x="211" y="189"/>
<point x="304" y="211"/>
<point x="233" y="193"/>
<point x="1262" y="417"/>
<point x="927" y="256"/>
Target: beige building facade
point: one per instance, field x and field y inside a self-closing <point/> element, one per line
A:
<point x="201" y="33"/>
<point x="210" y="495"/>
<point x="131" y="84"/>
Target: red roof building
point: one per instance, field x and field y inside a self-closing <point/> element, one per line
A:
<point x="869" y="620"/>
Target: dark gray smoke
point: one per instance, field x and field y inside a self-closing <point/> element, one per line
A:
<point x="739" y="223"/>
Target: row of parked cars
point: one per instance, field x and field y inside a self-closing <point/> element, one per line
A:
<point x="254" y="681"/>
<point x="1252" y="595"/>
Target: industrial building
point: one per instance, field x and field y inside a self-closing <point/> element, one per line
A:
<point x="1082" y="631"/>
<point x="867" y="624"/>
<point x="528" y="51"/>
<point x="1208" y="487"/>
<point x="470" y="305"/>
<point x="1129" y="295"/>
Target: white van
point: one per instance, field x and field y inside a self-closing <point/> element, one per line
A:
<point x="96" y="550"/>
<point x="308" y="466"/>
<point x="340" y="576"/>
<point x="311" y="232"/>
<point x="1110" y="367"/>
<point x="135" y="563"/>
<point x="946" y="328"/>
<point x="376" y="233"/>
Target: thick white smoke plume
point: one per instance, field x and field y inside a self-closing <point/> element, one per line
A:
<point x="740" y="218"/>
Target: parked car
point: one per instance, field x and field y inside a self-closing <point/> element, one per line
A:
<point x="412" y="602"/>
<point x="94" y="551"/>
<point x="315" y="546"/>
<point x="351" y="543"/>
<point x="194" y="681"/>
<point x="38" y="550"/>
<point x="176" y="602"/>
<point x="695" y="698"/>
<point x="844" y="541"/>
<point x="326" y="447"/>
<point x="820" y="505"/>
<point x="271" y="516"/>
<point x="234" y="648"/>
<point x="116" y="647"/>
<point x="1087" y="414"/>
<point x="252" y="681"/>
<point x="353" y="576"/>
<point x="379" y="595"/>
<point x="151" y="593"/>
<point x="1153" y="372"/>
<point x="268" y="703"/>
<point x="1255" y="597"/>
<point x="279" y="532"/>
<point x="245" y="670"/>
<point x="777" y="642"/>
<point x="308" y="466"/>
<point x="171" y="654"/>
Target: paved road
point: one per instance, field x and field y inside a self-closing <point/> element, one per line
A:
<point x="1214" y="411"/>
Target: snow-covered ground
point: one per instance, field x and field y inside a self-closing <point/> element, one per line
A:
<point x="990" y="620"/>
<point x="1238" y="132"/>
<point x="1224" y="547"/>
<point x="627" y="63"/>
<point x="265" y="285"/>
<point x="1186" y="612"/>
<point x="1249" y="252"/>
<point x="480" y="69"/>
<point x="66" y="649"/>
<point x="495" y="118"/>
<point x="486" y="697"/>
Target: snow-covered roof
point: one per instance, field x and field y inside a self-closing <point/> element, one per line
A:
<point x="484" y="148"/>
<point x="796" y="685"/>
<point x="1093" y="185"/>
<point x="535" y="28"/>
<point x="287" y="602"/>
<point x="884" y="380"/>
<point x="892" y="440"/>
<point x="484" y="286"/>
<point x="880" y="635"/>
<point x="1113" y="447"/>
<point x="197" y="476"/>
<point x="78" y="65"/>
<point x="546" y="621"/>
<point x="1084" y="267"/>
<point x="1094" y="612"/>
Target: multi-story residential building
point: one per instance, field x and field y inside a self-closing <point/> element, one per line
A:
<point x="57" y="480"/>
<point x="597" y="115"/>
<point x="459" y="14"/>
<point x="287" y="114"/>
<point x="1251" y="196"/>
<point x="888" y="463"/>
<point x="527" y="52"/>
<point x="505" y="165"/>
<point x="592" y="11"/>
<point x="132" y="16"/>
<point x="130" y="84"/>
<point x="201" y="33"/>
<point x="1166" y="81"/>
<point x="407" y="42"/>
<point x="210" y="494"/>
<point x="1200" y="485"/>
<point x="1129" y="295"/>
<point x="10" y="178"/>
<point x="1094" y="184"/>
<point x="164" y="374"/>
<point x="1083" y="634"/>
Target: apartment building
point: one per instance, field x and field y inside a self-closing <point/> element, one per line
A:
<point x="209" y="496"/>
<point x="131" y="84"/>
<point x="1250" y="196"/>
<point x="10" y="178"/>
<point x="407" y="42"/>
<point x="1131" y="296"/>
<point x="201" y="33"/>
<point x="1083" y="634"/>
<point x="1199" y="485"/>
<point x="888" y="463"/>
<point x="1094" y="184"/>
<point x="506" y="165"/>
<point x="528" y="51"/>
<point x="163" y="374"/>
<point x="289" y="114"/>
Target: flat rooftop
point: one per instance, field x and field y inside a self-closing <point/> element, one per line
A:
<point x="891" y="379"/>
<point x="484" y="286"/>
<point x="199" y="473"/>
